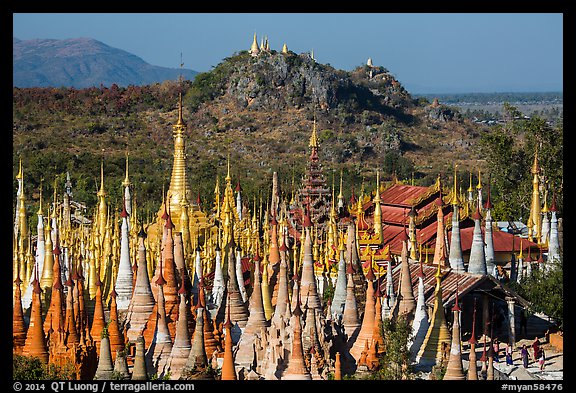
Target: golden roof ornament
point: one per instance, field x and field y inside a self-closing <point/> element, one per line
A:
<point x="180" y="121"/>
<point x="314" y="137"/>
<point x="535" y="169"/>
<point x="39" y="212"/>
<point x="101" y="192"/>
<point x="377" y="196"/>
<point x="438" y="275"/>
<point x="340" y="196"/>
<point x="228" y="178"/>
<point x="19" y="175"/>
<point x="53" y="215"/>
<point x="479" y="185"/>
<point x="126" y="181"/>
<point x="454" y="200"/>
<point x="545" y="208"/>
<point x="332" y="208"/>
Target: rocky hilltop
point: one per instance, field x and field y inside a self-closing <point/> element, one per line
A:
<point x="364" y="116"/>
<point x="278" y="81"/>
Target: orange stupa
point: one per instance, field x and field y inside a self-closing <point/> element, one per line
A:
<point x="296" y="366"/>
<point x="18" y="324"/>
<point x="35" y="344"/>
<point x="116" y="336"/>
<point x="274" y="259"/>
<point x="98" y="320"/>
<point x="72" y="336"/>
<point x="54" y="318"/>
<point x="228" y="369"/>
<point x="367" y="327"/>
<point x="169" y="273"/>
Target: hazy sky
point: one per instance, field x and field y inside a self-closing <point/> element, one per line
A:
<point x="428" y="53"/>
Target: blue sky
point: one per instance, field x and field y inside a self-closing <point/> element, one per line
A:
<point x="428" y="53"/>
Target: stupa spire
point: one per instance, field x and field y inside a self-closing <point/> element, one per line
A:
<point x="69" y="319"/>
<point x="126" y="182"/>
<point x="454" y="199"/>
<point x="339" y="298"/>
<point x="179" y="186"/>
<point x="350" y="315"/>
<point x="314" y="137"/>
<point x="367" y="327"/>
<point x="534" y="220"/>
<point x="454" y="369"/>
<point x="390" y="297"/>
<point x="472" y="365"/>
<point x="308" y="286"/>
<point x="488" y="237"/>
<point x="161" y="344"/>
<point x="99" y="319"/>
<point x="438" y="334"/>
<point x="197" y="357"/>
<point x="296" y="367"/>
<point x="218" y="285"/>
<point x="105" y="364"/>
<point x="440" y="247"/>
<point x="18" y="324"/>
<point x="420" y="323"/>
<point x="257" y="319"/>
<point x="124" y="278"/>
<point x="455" y="256"/>
<point x="407" y="305"/>
<point x="142" y="300"/>
<point x="139" y="372"/>
<point x="228" y="369"/>
<point x="477" y="261"/>
<point x="114" y="332"/>
<point x="35" y="344"/>
<point x="254" y="50"/>
<point x="283" y="299"/>
<point x="238" y="308"/>
<point x="553" y="242"/>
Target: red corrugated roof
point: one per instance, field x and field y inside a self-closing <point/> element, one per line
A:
<point x="393" y="238"/>
<point x="502" y="240"/>
<point x="449" y="281"/>
<point x="402" y="194"/>
<point x="394" y="214"/>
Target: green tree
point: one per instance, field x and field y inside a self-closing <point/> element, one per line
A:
<point x="395" y="364"/>
<point x="545" y="290"/>
<point x="509" y="152"/>
<point x="26" y="368"/>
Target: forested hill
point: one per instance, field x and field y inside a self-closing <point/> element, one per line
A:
<point x="260" y="110"/>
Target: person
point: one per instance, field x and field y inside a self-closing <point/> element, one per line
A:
<point x="536" y="348"/>
<point x="496" y="350"/>
<point x="524" y="353"/>
<point x="509" y="360"/>
<point x="541" y="359"/>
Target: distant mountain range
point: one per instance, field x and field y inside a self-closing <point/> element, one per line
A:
<point x="83" y="62"/>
